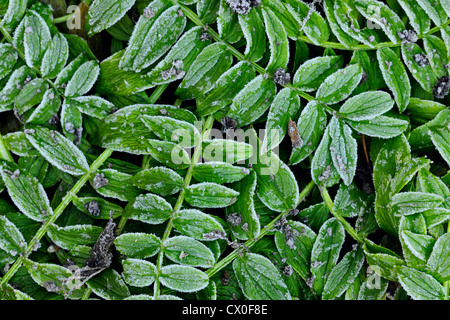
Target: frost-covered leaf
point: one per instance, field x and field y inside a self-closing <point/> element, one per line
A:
<point x="155" y="32"/>
<point x="226" y="150"/>
<point x="71" y="236"/>
<point x="259" y="279"/>
<point x="218" y="172"/>
<point x="278" y="41"/>
<point x="374" y="287"/>
<point x="26" y="192"/>
<point x="419" y="65"/>
<point x="8" y="57"/>
<point x="183" y="278"/>
<point x="149" y="208"/>
<point x="37" y="39"/>
<point x="367" y="106"/>
<point x="437" y="55"/>
<point x="187" y="251"/>
<point x="419" y="285"/>
<point x="159" y="180"/>
<point x="341" y="35"/>
<point x="17" y="143"/>
<point x="93" y="106"/>
<point x="325" y="252"/>
<point x="340" y="84"/>
<point x="14" y="13"/>
<point x="209" y="65"/>
<point x="252" y="101"/>
<point x="83" y="79"/>
<point x="380" y="127"/>
<point x="139" y="273"/>
<point x="47" y="108"/>
<point x="349" y="200"/>
<point x="284" y="107"/>
<point x="323" y="171"/>
<point x="406" y="203"/>
<point x="418" y="18"/>
<point x="440" y="134"/>
<point x="168" y="153"/>
<point x="311" y="74"/>
<point x="104" y="14"/>
<point x="57" y="150"/>
<point x="210" y="195"/>
<point x="109" y="285"/>
<point x="252" y="26"/>
<point x="55" y="57"/>
<point x="439" y="261"/>
<point x="98" y="208"/>
<point x="196" y="224"/>
<point x="14" y="85"/>
<point x="138" y="245"/>
<point x="396" y="77"/>
<point x="434" y="10"/>
<point x="30" y="95"/>
<point x="227" y="23"/>
<point x="11" y="239"/>
<point x="420" y="245"/>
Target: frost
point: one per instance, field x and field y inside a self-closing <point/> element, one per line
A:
<point x="240" y="6"/>
<point x="408" y="36"/>
<point x="442" y="87"/>
<point x="148" y="13"/>
<point x="100" y="181"/>
<point x="214" y="235"/>
<point x="234" y="219"/>
<point x="421" y="59"/>
<point x="287" y="270"/>
<point x="93" y="208"/>
<point x="281" y="77"/>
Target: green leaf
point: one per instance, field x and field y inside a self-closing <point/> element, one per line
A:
<point x="420" y="245"/>
<point x="219" y="172"/>
<point x="210" y="195"/>
<point x="13" y="87"/>
<point x="97" y="207"/>
<point x="93" y="106"/>
<point x="159" y="180"/>
<point x="104" y="14"/>
<point x="339" y="85"/>
<point x="380" y="127"/>
<point x="227" y="23"/>
<point x="343" y="149"/>
<point x="230" y="83"/>
<point x="168" y="153"/>
<point x="8" y="56"/>
<point x="406" y="203"/>
<point x="17" y="143"/>
<point x="149" y="208"/>
<point x="183" y="278"/>
<point x="284" y="107"/>
<point x="155" y="32"/>
<point x="384" y="264"/>
<point x="139" y="273"/>
<point x="437" y="55"/>
<point x="82" y="80"/>
<point x="343" y="274"/>
<point x="418" y="18"/>
<point x="207" y="68"/>
<point x="396" y="77"/>
<point x="109" y="285"/>
<point x="349" y="200"/>
<point x="138" y="245"/>
<point x="31" y="94"/>
<point x="436" y="216"/>
<point x="195" y="224"/>
<point x="439" y="261"/>
<point x="188" y="251"/>
<point x="170" y="129"/>
<point x="252" y="101"/>
<point x="11" y="239"/>
<point x="385" y="17"/>
<point x="367" y="106"/>
<point x="312" y="73"/>
<point x="325" y="253"/>
<point x="310" y="126"/>
<point x="57" y="150"/>
<point x="420" y="69"/>
<point x="296" y="246"/>
<point x="55" y="58"/>
<point x="37" y="39"/>
<point x="179" y="59"/>
<point x="226" y="150"/>
<point x="434" y="10"/>
<point x="419" y="285"/>
<point x="373" y="288"/>
<point x="278" y="42"/>
<point x="440" y="134"/>
<point x="71" y="236"/>
<point x="47" y="108"/>
<point x="259" y="279"/>
<point x="207" y="10"/>
<point x="14" y="13"/>
<point x="341" y="35"/>
<point x="26" y="192"/>
<point x="252" y="26"/>
<point x="247" y="225"/>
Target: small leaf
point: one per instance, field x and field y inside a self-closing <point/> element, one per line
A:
<point x="93" y="106"/>
<point x="159" y="180"/>
<point x="17" y="143"/>
<point x="367" y="106"/>
<point x="373" y="288"/>
<point x="380" y="127"/>
<point x="439" y="261"/>
<point x="419" y="66"/>
<point x="440" y="134"/>
<point x="194" y="223"/>
<point x="55" y="58"/>
<point x="109" y="285"/>
<point x="149" y="208"/>
<point x="436" y="54"/>
<point x="219" y="172"/>
<point x="97" y="207"/>
<point x="187" y="251"/>
<point x="139" y="273"/>
<point x="37" y="39"/>
<point x="252" y="26"/>
<point x="14" y="13"/>
<point x="30" y="95"/>
<point x="138" y="245"/>
<point x="396" y="77"/>
<point x="14" y="86"/>
<point x="418" y="18"/>
<point x="168" y="153"/>
<point x="210" y="195"/>
<point x="11" y="239"/>
<point x="406" y="203"/>
<point x="71" y="236"/>
<point x="340" y="84"/>
<point x="420" y="245"/>
<point x="340" y="34"/>
<point x="419" y="285"/>
<point x="104" y="14"/>
<point x="8" y="56"/>
<point x="349" y="200"/>
<point x="434" y="10"/>
<point x="259" y="279"/>
<point x="183" y="278"/>
<point x="323" y="171"/>
<point x="226" y="150"/>
<point x="83" y="79"/>
<point x="227" y="23"/>
<point x="48" y="107"/>
<point x="278" y="41"/>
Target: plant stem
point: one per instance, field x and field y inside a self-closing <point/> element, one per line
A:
<point x="58" y="211"/>
<point x="63" y="18"/>
<point x="4" y="152"/>
<point x="187" y="180"/>
<point x="250" y="243"/>
<point x="350" y="230"/>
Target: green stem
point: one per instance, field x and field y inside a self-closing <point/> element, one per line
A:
<point x="4" y="152"/>
<point x="58" y="211"/>
<point x="187" y="180"/>
<point x="350" y="230"/>
<point x="63" y="18"/>
<point x="250" y="243"/>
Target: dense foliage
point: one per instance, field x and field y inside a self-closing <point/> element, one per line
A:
<point x="225" y="149"/>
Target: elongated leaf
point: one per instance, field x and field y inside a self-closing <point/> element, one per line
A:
<point x="226" y="150"/>
<point x="93" y="106"/>
<point x="109" y="285"/>
<point x="8" y="57"/>
<point x="16" y="10"/>
<point x="139" y="273"/>
<point x="47" y="108"/>
<point x="71" y="236"/>
<point x="13" y="87"/>
<point x="406" y="203"/>
<point x="380" y="127"/>
<point x="209" y="65"/>
<point x="434" y="10"/>
<point x="437" y="55"/>
<point x="419" y="66"/>
<point x="168" y="153"/>
<point x="55" y="57"/>
<point x="311" y="74"/>
<point x="37" y="39"/>
<point x="196" y="224"/>
<point x="156" y="31"/>
<point x="159" y="180"/>
<point x="83" y="79"/>
<point x="396" y="77"/>
<point x="30" y="95"/>
<point x="138" y="245"/>
<point x="325" y="252"/>
<point x="252" y="101"/>
<point x="218" y="172"/>
<point x="420" y="245"/>
<point x="97" y="207"/>
<point x="323" y="171"/>
<point x="419" y="285"/>
<point x="367" y="106"/>
<point x="104" y="14"/>
<point x="149" y="208"/>
<point x="187" y="251"/>
<point x="259" y="279"/>
<point x="340" y="34"/>
<point x="340" y="84"/>
<point x="418" y="18"/>
<point x="11" y="239"/>
<point x="26" y="192"/>
<point x="278" y="42"/>
<point x="440" y="135"/>
<point x="183" y="278"/>
<point x="210" y="195"/>
<point x="439" y="261"/>
<point x="252" y="26"/>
